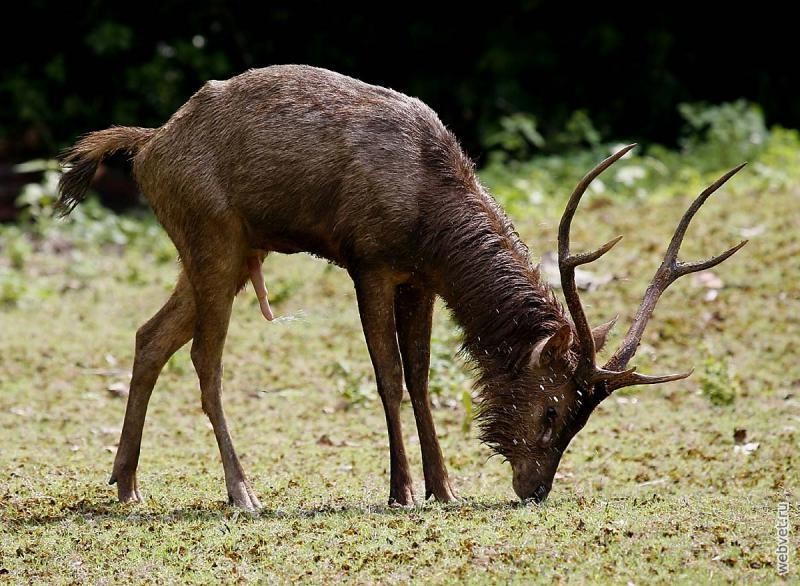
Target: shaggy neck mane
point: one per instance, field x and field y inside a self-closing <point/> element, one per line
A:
<point x="486" y="278"/>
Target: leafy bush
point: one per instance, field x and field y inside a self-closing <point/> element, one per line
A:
<point x="715" y="139"/>
<point x="90" y="224"/>
<point x="716" y="382"/>
<point x="517" y="137"/>
<point x="723" y="135"/>
<point x="514" y="136"/>
<point x="91" y="231"/>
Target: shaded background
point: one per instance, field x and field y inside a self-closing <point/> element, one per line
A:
<point x="628" y="67"/>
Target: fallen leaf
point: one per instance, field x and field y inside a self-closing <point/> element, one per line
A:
<point x="325" y="440"/>
<point x="752" y="231"/>
<point x="708" y="279"/>
<point x="584" y="280"/>
<point x="653" y="482"/>
<point x="115" y="372"/>
<point x="118" y="389"/>
<point x="627" y="400"/>
<point x="746" y="449"/>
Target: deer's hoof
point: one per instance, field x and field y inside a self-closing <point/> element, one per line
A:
<point x="442" y="494"/>
<point x="401" y="497"/>
<point x="241" y="496"/>
<point x="127" y="488"/>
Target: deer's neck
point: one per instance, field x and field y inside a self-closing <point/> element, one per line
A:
<point x="486" y="278"/>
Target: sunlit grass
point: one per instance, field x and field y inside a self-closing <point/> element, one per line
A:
<point x="653" y="490"/>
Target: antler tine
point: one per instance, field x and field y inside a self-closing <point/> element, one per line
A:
<point x="629" y="378"/>
<point x="683" y="225"/>
<point x="601" y="374"/>
<point x="685" y="268"/>
<point x="568" y="262"/>
<point x="582" y="258"/>
<point x="669" y="271"/>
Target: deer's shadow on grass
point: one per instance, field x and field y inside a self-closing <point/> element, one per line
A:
<point x="106" y="510"/>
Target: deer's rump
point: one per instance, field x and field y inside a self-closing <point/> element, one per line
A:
<point x="309" y="160"/>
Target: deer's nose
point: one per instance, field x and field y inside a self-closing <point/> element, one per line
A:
<point x="540" y="493"/>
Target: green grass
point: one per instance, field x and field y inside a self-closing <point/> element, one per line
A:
<point x="653" y="490"/>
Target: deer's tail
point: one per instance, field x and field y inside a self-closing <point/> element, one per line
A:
<point x="81" y="161"/>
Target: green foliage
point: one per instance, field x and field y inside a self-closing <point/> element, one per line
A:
<point x="723" y="135"/>
<point x="282" y="289"/>
<point x="716" y="382"/>
<point x="37" y="200"/>
<point x="515" y="136"/>
<point x="12" y="287"/>
<point x="90" y="224"/>
<point x="67" y="92"/>
<point x="91" y="231"/>
<point x="18" y="247"/>
<point x="716" y="138"/>
<point x="467" y="404"/>
<point x="167" y="75"/>
<point x="447" y="376"/>
<point x="351" y="384"/>
<point x="110" y="38"/>
<point x="578" y="132"/>
<point x="104" y="64"/>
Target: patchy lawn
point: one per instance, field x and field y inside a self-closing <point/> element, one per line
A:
<point x="655" y="489"/>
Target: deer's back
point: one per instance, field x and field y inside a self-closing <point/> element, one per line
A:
<point x="309" y="159"/>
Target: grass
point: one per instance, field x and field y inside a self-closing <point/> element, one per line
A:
<point x="654" y="490"/>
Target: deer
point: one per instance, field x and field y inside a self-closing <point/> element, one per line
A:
<point x="293" y="158"/>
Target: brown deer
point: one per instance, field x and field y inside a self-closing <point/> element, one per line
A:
<point x="299" y="159"/>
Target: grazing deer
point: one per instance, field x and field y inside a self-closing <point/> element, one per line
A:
<point x="299" y="159"/>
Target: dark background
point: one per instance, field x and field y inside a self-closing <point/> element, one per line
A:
<point x="71" y="68"/>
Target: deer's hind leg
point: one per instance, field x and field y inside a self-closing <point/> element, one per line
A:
<point x="169" y="329"/>
<point x="216" y="260"/>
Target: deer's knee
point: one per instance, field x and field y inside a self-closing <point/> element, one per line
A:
<point x="392" y="392"/>
<point x="210" y="403"/>
<point x="146" y="343"/>
<point x="208" y="368"/>
<point x="198" y="360"/>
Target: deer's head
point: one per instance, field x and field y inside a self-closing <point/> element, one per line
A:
<point x="539" y="408"/>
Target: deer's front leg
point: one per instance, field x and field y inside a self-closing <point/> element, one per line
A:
<point x="414" y="316"/>
<point x="375" y="293"/>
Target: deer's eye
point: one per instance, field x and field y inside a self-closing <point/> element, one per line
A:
<point x="550" y="415"/>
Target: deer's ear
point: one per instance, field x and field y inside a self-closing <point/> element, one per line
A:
<point x="551" y="348"/>
<point x="600" y="333"/>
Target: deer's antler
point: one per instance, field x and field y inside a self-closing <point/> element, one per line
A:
<point x="613" y="373"/>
